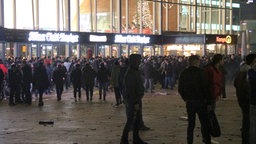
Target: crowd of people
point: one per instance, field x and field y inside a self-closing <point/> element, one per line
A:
<point x="44" y="75"/>
<point x="199" y="79"/>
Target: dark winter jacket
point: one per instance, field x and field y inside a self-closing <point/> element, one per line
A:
<point x="88" y="75"/>
<point x="102" y="75"/>
<point x="242" y="86"/>
<point x="115" y="75"/>
<point x="148" y="70"/>
<point x="14" y="77"/>
<point x="58" y="75"/>
<point x="76" y="76"/>
<point x="133" y="83"/>
<point x="40" y="77"/>
<point x="27" y="74"/>
<point x="252" y="80"/>
<point x="193" y="85"/>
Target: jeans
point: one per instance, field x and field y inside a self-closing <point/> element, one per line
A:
<point x="103" y="89"/>
<point x="148" y="84"/>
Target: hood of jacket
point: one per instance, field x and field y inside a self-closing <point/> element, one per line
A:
<point x="134" y="61"/>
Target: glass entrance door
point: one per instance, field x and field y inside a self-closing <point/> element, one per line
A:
<point x="46" y="50"/>
<point x="49" y="50"/>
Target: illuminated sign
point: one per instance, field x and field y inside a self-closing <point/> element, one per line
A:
<point x="96" y="38"/>
<point x="227" y="39"/>
<point x="132" y="39"/>
<point x="52" y="37"/>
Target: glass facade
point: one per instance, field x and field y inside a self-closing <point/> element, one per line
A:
<point x="115" y="16"/>
<point x="121" y="16"/>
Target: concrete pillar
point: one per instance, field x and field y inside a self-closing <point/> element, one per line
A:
<point x="78" y="51"/>
<point x="2" y="51"/>
<point x="67" y="50"/>
<point x="2" y="13"/>
<point x="243" y="44"/>
<point x="15" y="50"/>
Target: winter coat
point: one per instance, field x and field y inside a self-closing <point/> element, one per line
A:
<point x="58" y="76"/>
<point x="214" y="77"/>
<point x="27" y="74"/>
<point x="115" y="75"/>
<point x="148" y="70"/>
<point x="88" y="75"/>
<point x="76" y="76"/>
<point x="192" y="85"/>
<point x="40" y="78"/>
<point x="14" y="77"/>
<point x="242" y="86"/>
<point x="133" y="83"/>
<point x="252" y="80"/>
<point x="102" y="75"/>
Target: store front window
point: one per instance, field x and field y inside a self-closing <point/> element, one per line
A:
<point x="183" y="50"/>
<point x="87" y="51"/>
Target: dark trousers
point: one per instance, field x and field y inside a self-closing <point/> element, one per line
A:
<point x="59" y="90"/>
<point x="103" y="89"/>
<point x="133" y="119"/>
<point x="27" y="93"/>
<point x="14" y="95"/>
<point x="199" y="108"/>
<point x="41" y="92"/>
<point x="77" y="89"/>
<point x="245" y="123"/>
<point x="117" y="95"/>
<point x="89" y="91"/>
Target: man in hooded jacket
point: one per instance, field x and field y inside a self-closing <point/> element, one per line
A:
<point x="134" y="91"/>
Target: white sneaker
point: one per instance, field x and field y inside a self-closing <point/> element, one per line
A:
<point x="214" y="142"/>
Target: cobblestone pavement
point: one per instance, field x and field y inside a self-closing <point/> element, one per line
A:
<point x="98" y="122"/>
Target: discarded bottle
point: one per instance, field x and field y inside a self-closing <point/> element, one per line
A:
<point x="46" y="122"/>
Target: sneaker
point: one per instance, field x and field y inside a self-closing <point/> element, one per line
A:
<point x="214" y="142"/>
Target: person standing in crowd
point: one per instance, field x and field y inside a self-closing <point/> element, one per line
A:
<point x="58" y="78"/>
<point x="168" y="72"/>
<point x="3" y="68"/>
<point x="115" y="82"/>
<point x="243" y="95"/>
<point x="123" y="69"/>
<point x="102" y="77"/>
<point x="148" y="72"/>
<point x="134" y="92"/>
<point x="41" y="81"/>
<point x="14" y="83"/>
<point x="26" y="81"/>
<point x="192" y="87"/>
<point x="2" y="82"/>
<point x="214" y="78"/>
<point x="88" y="75"/>
<point x="68" y="65"/>
<point x="252" y="82"/>
<point x="76" y="79"/>
<point x="49" y="70"/>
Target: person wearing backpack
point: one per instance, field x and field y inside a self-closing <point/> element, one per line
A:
<point x="243" y="95"/>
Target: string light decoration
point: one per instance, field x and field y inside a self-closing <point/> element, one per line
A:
<point x="168" y="4"/>
<point x="146" y="15"/>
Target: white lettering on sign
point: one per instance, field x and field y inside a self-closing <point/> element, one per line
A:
<point x="96" y="38"/>
<point x="53" y="37"/>
<point x="131" y="39"/>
